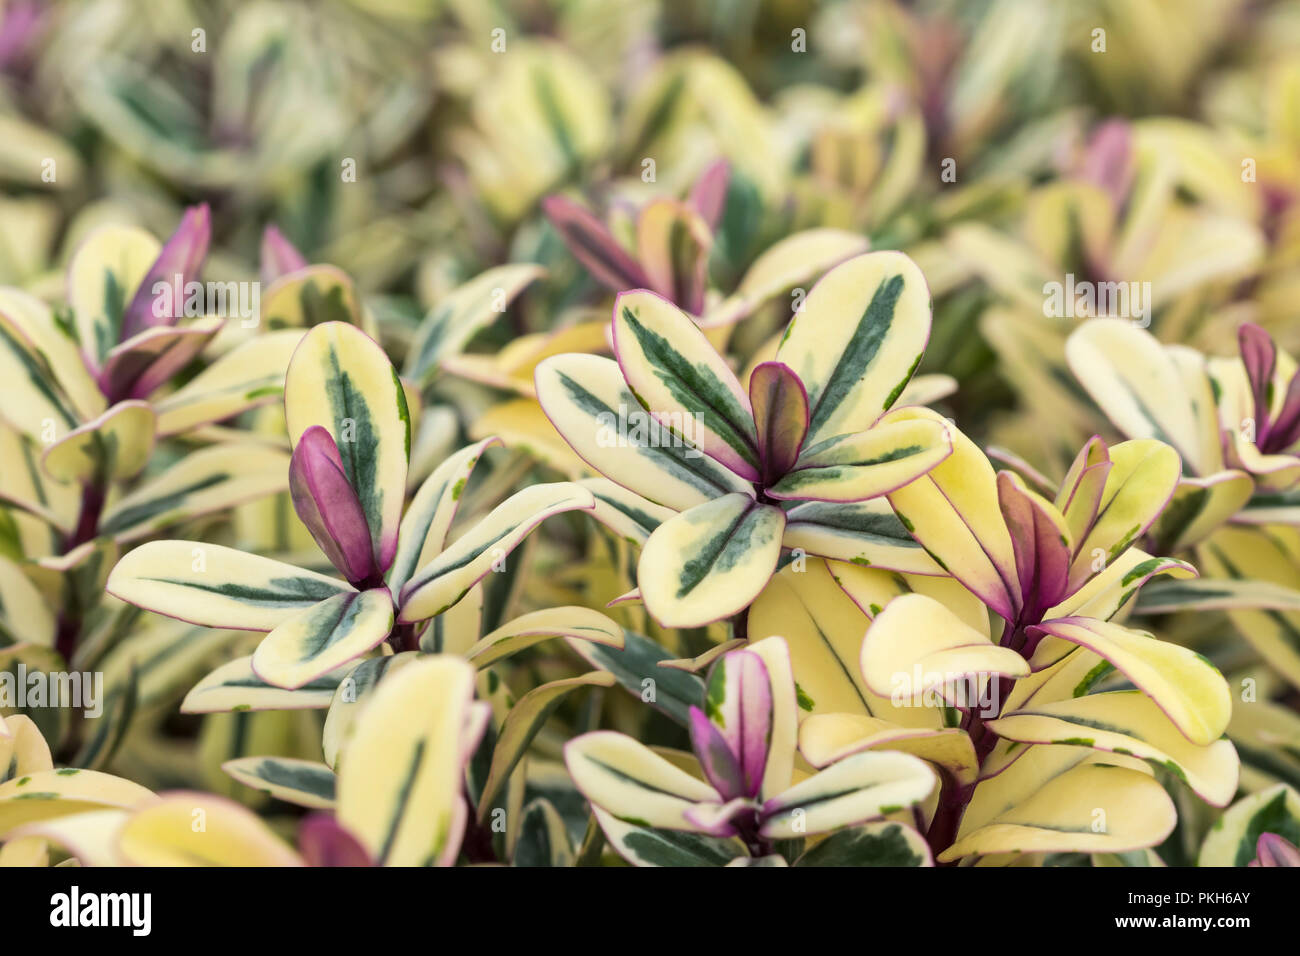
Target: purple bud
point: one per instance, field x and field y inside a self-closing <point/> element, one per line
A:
<point x="279" y="256"/>
<point x="709" y="195"/>
<point x="594" y="245"/>
<point x="323" y="841"/>
<point x="329" y="507"/>
<point x="179" y="262"/>
<point x="1273" y="850"/>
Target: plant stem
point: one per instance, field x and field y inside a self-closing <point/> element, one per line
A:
<point x="69" y="627"/>
<point x="404" y="638"/>
<point x="740" y="625"/>
<point x="954" y="797"/>
<point x="92" y="506"/>
<point x="757" y="844"/>
<point x="477" y="845"/>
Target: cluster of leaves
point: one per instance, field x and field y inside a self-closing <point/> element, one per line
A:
<point x="649" y="452"/>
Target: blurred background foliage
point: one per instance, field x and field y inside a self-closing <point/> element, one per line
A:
<point x="459" y="116"/>
<point x="410" y="143"/>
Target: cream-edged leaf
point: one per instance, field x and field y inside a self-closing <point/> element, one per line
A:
<point x="305" y="783"/>
<point x="858" y="788"/>
<point x="1186" y="686"/>
<point x="1127" y="722"/>
<point x="536" y="626"/>
<point x="217" y="586"/>
<point x="443" y="581"/>
<point x="339" y="378"/>
<point x="1063" y="815"/>
<point x="249" y="375"/>
<point x="632" y="783"/>
<point x="205" y="481"/>
<point x="591" y="406"/>
<point x="163" y="834"/>
<point x="711" y="561"/>
<point x="323" y="637"/>
<point x="401" y="776"/>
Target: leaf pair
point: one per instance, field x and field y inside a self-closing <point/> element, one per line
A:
<point x="745" y="745"/>
<point x="348" y="420"/>
<point x="671" y="422"/>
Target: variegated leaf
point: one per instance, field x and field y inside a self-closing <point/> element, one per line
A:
<point x="536" y="626"/>
<point x="305" y="783"/>
<point x="234" y="687"/>
<point x="424" y="527"/>
<point x="1186" y="686"/>
<point x="854" y="790"/>
<point x="676" y="374"/>
<point x="401" y="775"/>
<point x="711" y="561"/>
<point x="114" y="446"/>
<point x="1127" y="722"/>
<point x="443" y="581"/>
<point x="163" y="834"/>
<point x="217" y="586"/>
<point x="250" y="375"/>
<point x="205" y="481"/>
<point x="323" y="637"/>
<point x="591" y="406"/>
<point x="857" y="340"/>
<point x="339" y="378"/>
<point x="522" y="724"/>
